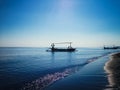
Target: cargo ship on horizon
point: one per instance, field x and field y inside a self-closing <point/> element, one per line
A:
<point x="68" y="49"/>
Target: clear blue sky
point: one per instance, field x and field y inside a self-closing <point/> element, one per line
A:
<point x="87" y="23"/>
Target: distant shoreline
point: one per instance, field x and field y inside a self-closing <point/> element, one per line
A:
<point x="112" y="67"/>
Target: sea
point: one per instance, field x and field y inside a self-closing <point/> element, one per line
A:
<point x="32" y="68"/>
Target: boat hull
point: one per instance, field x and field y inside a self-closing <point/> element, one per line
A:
<point x="111" y="48"/>
<point x="62" y="50"/>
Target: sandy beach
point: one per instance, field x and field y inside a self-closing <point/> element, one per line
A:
<point x="112" y="67"/>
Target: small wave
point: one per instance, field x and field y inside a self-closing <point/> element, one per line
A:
<point x="48" y="79"/>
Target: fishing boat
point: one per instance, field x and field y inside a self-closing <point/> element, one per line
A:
<point x="68" y="49"/>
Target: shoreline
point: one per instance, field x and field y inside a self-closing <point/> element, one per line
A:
<point x="112" y="67"/>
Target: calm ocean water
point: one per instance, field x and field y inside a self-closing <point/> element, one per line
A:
<point x="22" y="65"/>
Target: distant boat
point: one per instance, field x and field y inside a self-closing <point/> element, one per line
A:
<point x="68" y="49"/>
<point x="114" y="47"/>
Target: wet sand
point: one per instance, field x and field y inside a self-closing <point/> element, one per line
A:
<point x="112" y="68"/>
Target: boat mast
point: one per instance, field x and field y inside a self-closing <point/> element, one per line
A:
<point x="70" y="44"/>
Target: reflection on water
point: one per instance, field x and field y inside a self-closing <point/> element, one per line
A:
<point x="111" y="79"/>
<point x="69" y="56"/>
<point x="52" y="58"/>
<point x="112" y="68"/>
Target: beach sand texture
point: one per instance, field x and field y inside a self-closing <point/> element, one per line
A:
<point x="112" y="67"/>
